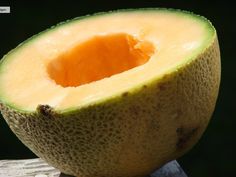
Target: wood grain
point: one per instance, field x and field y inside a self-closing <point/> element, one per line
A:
<point x="39" y="168"/>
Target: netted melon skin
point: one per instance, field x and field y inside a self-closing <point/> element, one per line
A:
<point x="130" y="135"/>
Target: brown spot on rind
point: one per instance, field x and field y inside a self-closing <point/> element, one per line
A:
<point x="1" y="106"/>
<point x="162" y="86"/>
<point x="46" y="110"/>
<point x="135" y="110"/>
<point x="125" y="94"/>
<point x="184" y="135"/>
<point x="179" y="113"/>
<point x="144" y="86"/>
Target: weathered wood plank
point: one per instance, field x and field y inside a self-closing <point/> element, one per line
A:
<point x="39" y="168"/>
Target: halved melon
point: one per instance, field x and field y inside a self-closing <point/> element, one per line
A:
<point x="113" y="94"/>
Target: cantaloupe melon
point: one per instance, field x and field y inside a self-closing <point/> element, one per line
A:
<point x="114" y="94"/>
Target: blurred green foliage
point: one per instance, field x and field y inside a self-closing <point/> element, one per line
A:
<point x="214" y="155"/>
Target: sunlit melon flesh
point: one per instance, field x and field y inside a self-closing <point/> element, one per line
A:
<point x="113" y="94"/>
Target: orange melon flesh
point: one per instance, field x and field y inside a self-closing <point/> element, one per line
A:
<point x="99" y="57"/>
<point x="87" y="60"/>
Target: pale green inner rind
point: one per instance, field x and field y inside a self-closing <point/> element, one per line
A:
<point x="209" y="39"/>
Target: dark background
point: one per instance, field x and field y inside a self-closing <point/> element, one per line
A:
<point x="214" y="155"/>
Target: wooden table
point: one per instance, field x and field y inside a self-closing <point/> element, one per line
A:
<point x="39" y="168"/>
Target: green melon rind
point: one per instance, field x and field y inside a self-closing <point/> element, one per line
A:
<point x="148" y="129"/>
<point x="211" y="36"/>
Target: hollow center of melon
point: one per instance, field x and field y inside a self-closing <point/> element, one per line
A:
<point x="99" y="57"/>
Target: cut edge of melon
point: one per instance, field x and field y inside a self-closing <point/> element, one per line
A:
<point x="209" y="40"/>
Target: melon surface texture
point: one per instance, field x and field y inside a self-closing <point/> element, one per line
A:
<point x="114" y="94"/>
